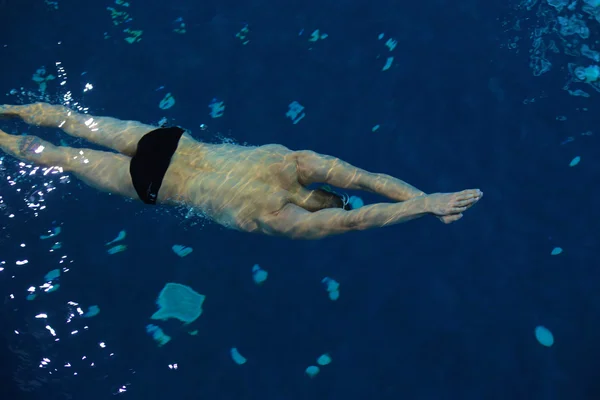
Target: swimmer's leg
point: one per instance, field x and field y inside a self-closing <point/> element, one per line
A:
<point x="102" y="170"/>
<point x="121" y="136"/>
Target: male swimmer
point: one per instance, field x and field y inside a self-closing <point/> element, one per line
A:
<point x="254" y="189"/>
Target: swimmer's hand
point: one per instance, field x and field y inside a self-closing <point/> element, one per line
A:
<point x="448" y="207"/>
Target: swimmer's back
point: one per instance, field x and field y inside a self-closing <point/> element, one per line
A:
<point x="233" y="185"/>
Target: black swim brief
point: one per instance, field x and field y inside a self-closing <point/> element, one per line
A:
<point x="151" y="161"/>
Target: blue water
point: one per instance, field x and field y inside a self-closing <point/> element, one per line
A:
<point x="427" y="311"/>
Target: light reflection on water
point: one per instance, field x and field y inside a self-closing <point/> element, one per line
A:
<point x="48" y="331"/>
<point x="54" y="336"/>
<point x="43" y="327"/>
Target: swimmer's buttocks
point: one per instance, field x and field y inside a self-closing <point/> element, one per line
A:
<point x="150" y="163"/>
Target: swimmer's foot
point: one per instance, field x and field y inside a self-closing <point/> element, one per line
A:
<point x="8" y="111"/>
<point x="30" y="113"/>
<point x="5" y="141"/>
<point x="39" y="114"/>
<point x="448" y="207"/>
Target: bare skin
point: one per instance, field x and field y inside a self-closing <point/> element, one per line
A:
<point x="254" y="189"/>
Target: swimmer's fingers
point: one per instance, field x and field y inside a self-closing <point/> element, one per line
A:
<point x="466" y="198"/>
<point x="448" y="219"/>
<point x="468" y="195"/>
<point x="466" y="203"/>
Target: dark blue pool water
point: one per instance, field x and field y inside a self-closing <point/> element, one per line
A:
<point x="426" y="311"/>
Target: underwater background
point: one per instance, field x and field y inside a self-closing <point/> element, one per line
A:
<point x="504" y="304"/>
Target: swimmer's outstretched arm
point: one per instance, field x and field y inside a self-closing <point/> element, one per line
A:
<point x="295" y="222"/>
<point x="319" y="168"/>
<point x="314" y="167"/>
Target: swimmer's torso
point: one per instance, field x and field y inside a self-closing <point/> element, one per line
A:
<point x="232" y="184"/>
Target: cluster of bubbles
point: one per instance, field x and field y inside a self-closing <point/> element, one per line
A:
<point x="553" y="27"/>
